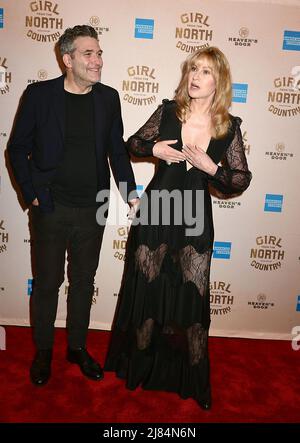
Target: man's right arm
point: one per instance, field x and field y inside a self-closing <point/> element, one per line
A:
<point x="21" y="144"/>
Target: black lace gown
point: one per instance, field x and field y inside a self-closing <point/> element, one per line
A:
<point x="160" y="330"/>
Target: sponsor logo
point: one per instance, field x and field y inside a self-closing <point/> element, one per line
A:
<point x="143" y="28"/>
<point x="3" y="237"/>
<point x="291" y="41"/>
<point x="30" y="283"/>
<point x="226" y="204"/>
<point x="278" y="153"/>
<point x="43" y="22"/>
<point x="95" y="296"/>
<point x="261" y="302"/>
<point x="222" y="250"/>
<point x="296" y="76"/>
<point x="221" y="299"/>
<point x="273" y="203"/>
<point x="5" y="76"/>
<point x="268" y="253"/>
<point x="141" y="86"/>
<point x="139" y="189"/>
<point x="119" y="243"/>
<point x="1" y="18"/>
<point x="42" y="75"/>
<point x="243" y="38"/>
<point x="95" y="22"/>
<point x="193" y="32"/>
<point x="247" y="146"/>
<point x="298" y="303"/>
<point x="239" y="92"/>
<point x="283" y="99"/>
<point x="295" y="338"/>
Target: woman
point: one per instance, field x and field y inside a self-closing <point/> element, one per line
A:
<point x="160" y="335"/>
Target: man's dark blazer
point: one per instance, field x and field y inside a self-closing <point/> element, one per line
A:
<point x="36" y="145"/>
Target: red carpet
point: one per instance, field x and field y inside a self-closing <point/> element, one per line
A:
<point x="252" y="381"/>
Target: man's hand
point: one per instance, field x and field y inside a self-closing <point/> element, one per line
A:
<point x="134" y="203"/>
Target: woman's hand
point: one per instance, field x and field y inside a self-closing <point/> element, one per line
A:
<point x="163" y="151"/>
<point x="198" y="158"/>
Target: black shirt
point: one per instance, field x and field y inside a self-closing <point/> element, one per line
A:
<point x="75" y="183"/>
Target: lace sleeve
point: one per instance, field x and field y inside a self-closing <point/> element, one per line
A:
<point x="234" y="176"/>
<point x="141" y="143"/>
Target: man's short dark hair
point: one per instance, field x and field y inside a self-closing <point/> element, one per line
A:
<point x="66" y="40"/>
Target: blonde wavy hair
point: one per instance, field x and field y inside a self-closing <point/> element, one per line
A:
<point x="223" y="95"/>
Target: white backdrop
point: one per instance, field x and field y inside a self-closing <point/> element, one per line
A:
<point x="255" y="287"/>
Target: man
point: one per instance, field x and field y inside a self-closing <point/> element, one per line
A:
<point x="64" y="133"/>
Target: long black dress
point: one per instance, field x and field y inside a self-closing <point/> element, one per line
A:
<point x="160" y="331"/>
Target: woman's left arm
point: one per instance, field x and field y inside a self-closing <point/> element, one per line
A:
<point x="234" y="176"/>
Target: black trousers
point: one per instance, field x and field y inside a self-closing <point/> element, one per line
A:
<point x="76" y="231"/>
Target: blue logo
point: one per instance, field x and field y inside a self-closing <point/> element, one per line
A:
<point x="29" y="286"/>
<point x="143" y="28"/>
<point x="239" y="92"/>
<point x="298" y="303"/>
<point x="273" y="203"/>
<point x="291" y="41"/>
<point x="222" y="250"/>
<point x="1" y="18"/>
<point x="139" y="189"/>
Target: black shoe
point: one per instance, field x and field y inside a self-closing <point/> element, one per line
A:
<point x="206" y="405"/>
<point x="40" y="370"/>
<point x="89" y="367"/>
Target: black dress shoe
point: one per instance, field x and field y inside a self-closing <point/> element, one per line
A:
<point x="204" y="404"/>
<point x="40" y="370"/>
<point x="89" y="367"/>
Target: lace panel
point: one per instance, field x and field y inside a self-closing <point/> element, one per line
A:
<point x="197" y="343"/>
<point x="144" y="334"/>
<point x="149" y="261"/>
<point x="234" y="176"/>
<point x="195" y="267"/>
<point x="196" y="338"/>
<point x="141" y="143"/>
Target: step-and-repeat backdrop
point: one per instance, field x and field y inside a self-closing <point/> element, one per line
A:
<point x="255" y="284"/>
